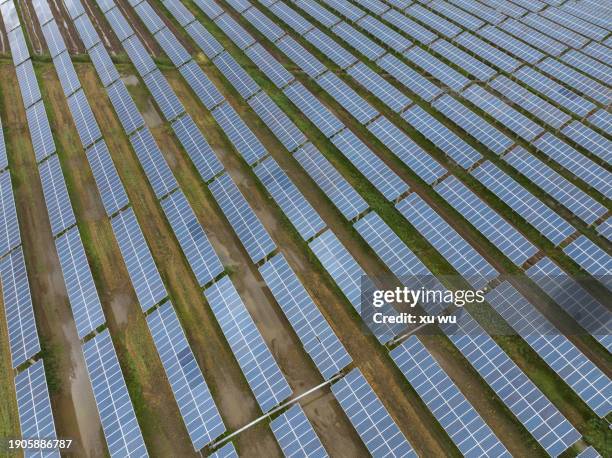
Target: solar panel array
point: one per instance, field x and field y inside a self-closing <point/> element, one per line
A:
<point x="295" y="434"/>
<point x="112" y="192"/>
<point x="591" y="258"/>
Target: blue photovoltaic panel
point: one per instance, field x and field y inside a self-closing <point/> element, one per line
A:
<point x="206" y="91"/>
<point x="264" y="24"/>
<point x="370" y="418"/>
<point x="456" y="415"/>
<point x="153" y="162"/>
<point x="164" y="96"/>
<point x="104" y="65"/>
<point x="459" y="253"/>
<point x="332" y="50"/>
<point x="441" y="136"/>
<point x="595" y="318"/>
<point x="279" y="123"/>
<point x="138" y="259"/>
<point x="234" y="31"/>
<point x="379" y="87"/>
<point x="386" y="35"/>
<point x="590" y="140"/>
<point x="487" y="52"/>
<point x="488" y="222"/>
<point x="9" y="225"/>
<point x="3" y="158"/>
<point x="106" y="5"/>
<point x="202" y="37"/>
<point x="240" y="5"/>
<point x="339" y="191"/>
<point x="292" y="202"/>
<point x="82" y="294"/>
<point x="358" y="41"/>
<point x="227" y="451"/>
<point x="180" y="12"/>
<point x="244" y="221"/>
<point x="124" y="106"/>
<point x="588" y="452"/>
<point x="138" y="56"/>
<point x="347" y="97"/>
<point x="563" y="191"/>
<point x="574" y="23"/>
<point x="302" y="58"/>
<point x="370" y="165"/>
<point x="198" y="149"/>
<point x="236" y="75"/>
<point x="591" y="258"/>
<point x="9" y="15"/>
<point x="172" y="47"/>
<point x="409" y="27"/>
<point x="121" y="429"/>
<point x="586" y="379"/>
<point x="555" y="30"/>
<point x="196" y="404"/>
<point x="315" y="333"/>
<point x="109" y="184"/>
<point x="539" y="416"/>
<point x="487" y="14"/>
<point x="409" y="78"/>
<point x="313" y="109"/>
<point x="243" y="138"/>
<point x="602" y="119"/>
<point x="598" y="51"/>
<point x="605" y="229"/>
<point x="30" y="93"/>
<point x="87" y="32"/>
<point x="510" y="44"/>
<point x="436" y="68"/>
<point x="291" y="18"/>
<point x="59" y="208"/>
<point x="74" y="7"/>
<point x="66" y="73"/>
<point x="202" y="258"/>
<point x="269" y="65"/>
<point x="318" y="12"/>
<point x="118" y="23"/>
<point x="433" y="20"/>
<point x="53" y="38"/>
<point x="534" y="37"/>
<point x="34" y="406"/>
<point x="346" y="9"/>
<point x="40" y="131"/>
<point x="375" y="6"/>
<point x="19" y="314"/>
<point x="411" y="154"/>
<point x="457" y="15"/>
<point x="464" y="60"/>
<point x="254" y="357"/>
<point x="150" y="18"/>
<point x="19" y="48"/>
<point x="533" y="210"/>
<point x="83" y="117"/>
<point x="296" y="436"/>
<point x="211" y="9"/>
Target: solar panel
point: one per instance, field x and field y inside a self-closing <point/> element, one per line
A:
<point x="375" y="6"/>
<point x="240" y="5"/>
<point x="30" y="93"/>
<point x="138" y="56"/>
<point x="243" y="138"/>
<point x="295" y="434"/>
<point x="40" y="132"/>
<point x="486" y="13"/>
<point x="605" y="228"/>
<point x="487" y="52"/>
<point x="459" y="253"/>
<point x="104" y="65"/>
<point x="279" y="123"/>
<point x="590" y="140"/>
<point x="339" y="191"/>
<point x="109" y="184"/>
<point x="34" y="406"/>
<point x="530" y="208"/>
<point x="511" y="44"/>
<point x="19" y="48"/>
<point x="164" y="96"/>
<point x="234" y="31"/>
<point x="59" y="208"/>
<point x="441" y="136"/>
<point x="358" y="40"/>
<point x="591" y="258"/>
<point x="347" y="97"/>
<point x="210" y="9"/>
<point x="530" y="102"/>
<point x="585" y="169"/>
<point x="573" y="23"/>
<point x="456" y="415"/>
<point x="370" y="165"/>
<point x="413" y="81"/>
<point x="322" y="15"/>
<point x="172" y="47"/>
<point x="346" y="9"/>
<point x="269" y="65"/>
<point x="118" y="22"/>
<point x="198" y="149"/>
<point x="192" y="395"/>
<point x="462" y="59"/>
<point x="180" y="13"/>
<point x="503" y="113"/>
<point x="436" y="68"/>
<point x="313" y="109"/>
<point x="227" y="451"/>
<point x="302" y="58"/>
<point x="20" y="320"/>
<point x="488" y="222"/>
<point x="534" y="37"/>
<point x="53" y="38"/>
<point x="435" y="22"/>
<point x="82" y="294"/>
<point x="369" y="417"/>
<point x="291" y="18"/>
<point x="594" y="317"/>
<point x="203" y="38"/>
<point x="149" y="17"/>
<point x="588" y="381"/>
<point x="244" y="221"/>
<point x="123" y="436"/>
<point x="535" y="412"/>
<point x="555" y="30"/>
<point x="9" y="225"/>
<point x="66" y="73"/>
<point x="336" y="53"/>
<point x="264" y="24"/>
<point x="602" y="120"/>
<point x="411" y="154"/>
<point x="74" y="7"/>
<point x="379" y="87"/>
<point x="598" y="51"/>
<point x="43" y="12"/>
<point x="409" y="27"/>
<point x="105" y="5"/>
<point x="138" y="259"/>
<point x="563" y="191"/>
<point x="200" y="254"/>
<point x="153" y="162"/>
<point x="254" y="357"/>
<point x="203" y="88"/>
<point x="315" y="333"/>
<point x="457" y="15"/>
<point x="124" y="106"/>
<point x="588" y="452"/>
<point x="3" y="158"/>
<point x="83" y="118"/>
